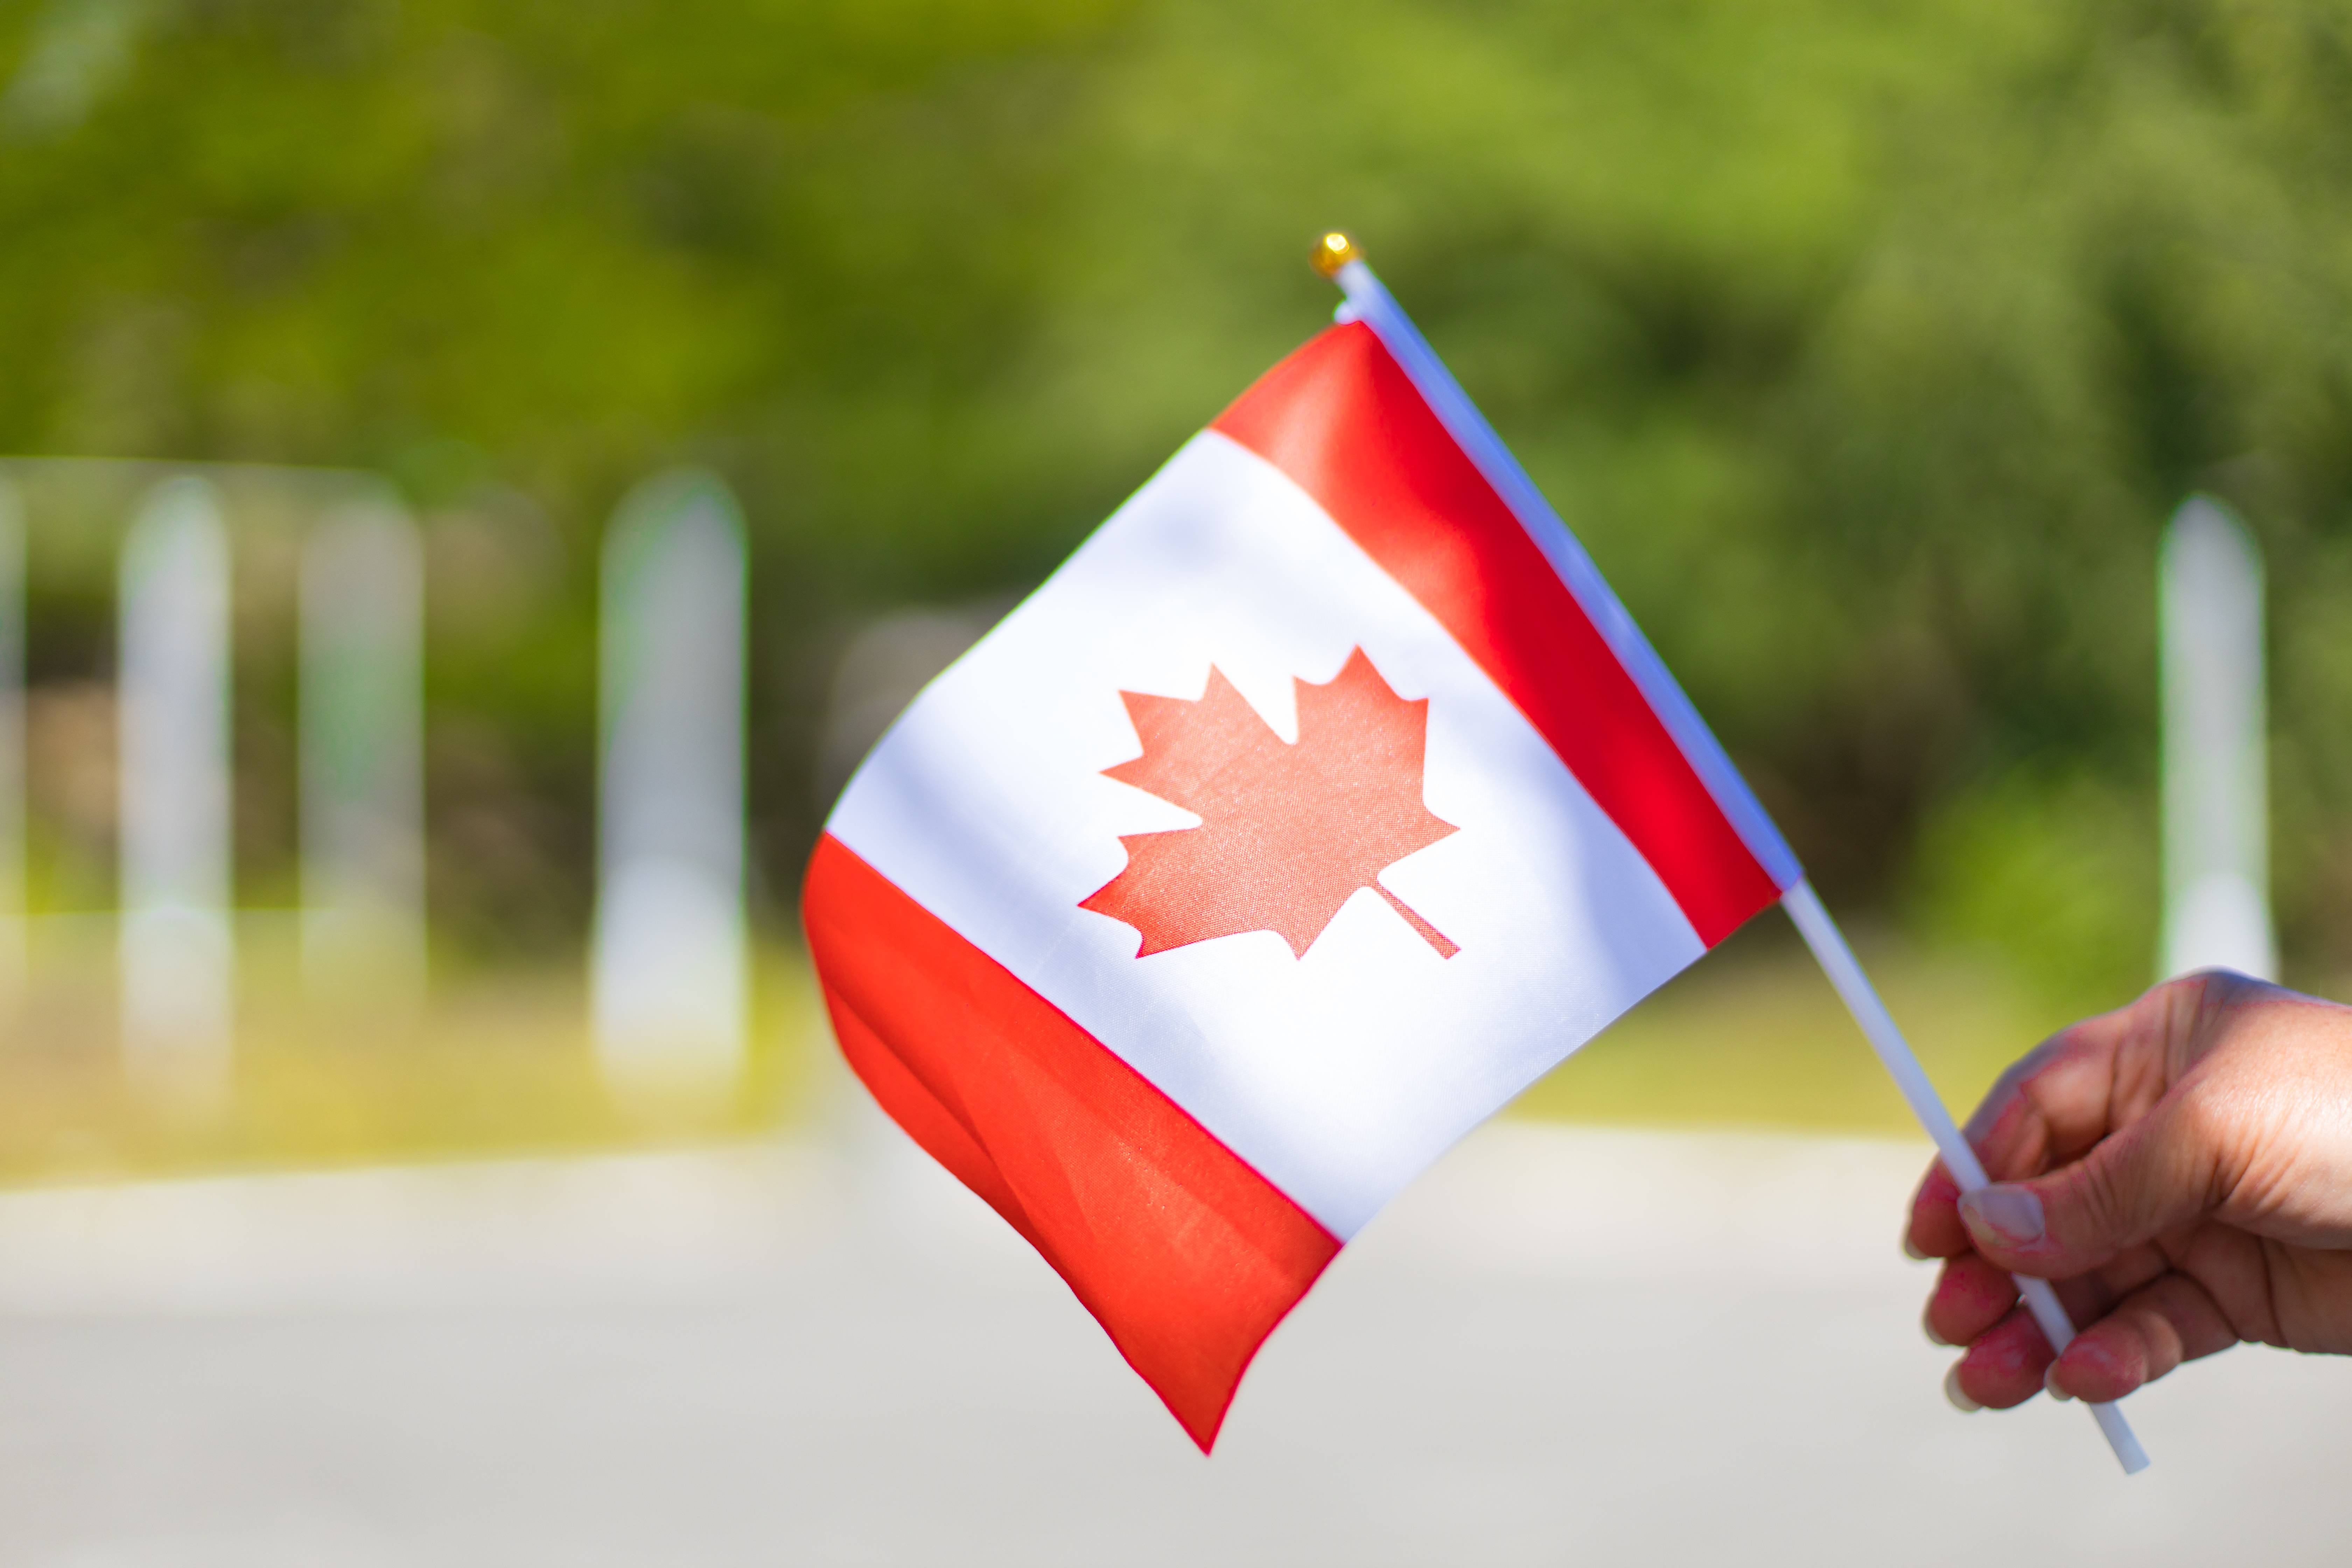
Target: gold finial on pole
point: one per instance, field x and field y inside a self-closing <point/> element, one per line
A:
<point x="1332" y="252"/>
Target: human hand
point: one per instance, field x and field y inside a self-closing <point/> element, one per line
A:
<point x="2180" y="1169"/>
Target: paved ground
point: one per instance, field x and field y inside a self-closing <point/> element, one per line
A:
<point x="1562" y="1347"/>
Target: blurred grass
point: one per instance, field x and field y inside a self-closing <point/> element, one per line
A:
<point x="496" y="1063"/>
<point x="1753" y="1036"/>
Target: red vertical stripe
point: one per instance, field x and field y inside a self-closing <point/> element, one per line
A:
<point x="1187" y="1256"/>
<point x="1342" y="419"/>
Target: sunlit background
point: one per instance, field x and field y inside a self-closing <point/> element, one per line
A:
<point x="1869" y="348"/>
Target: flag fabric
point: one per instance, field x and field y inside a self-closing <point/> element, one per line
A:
<point x="1318" y="804"/>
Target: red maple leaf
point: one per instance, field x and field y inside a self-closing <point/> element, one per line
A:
<point x="1288" y="832"/>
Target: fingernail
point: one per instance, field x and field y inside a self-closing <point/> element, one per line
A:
<point x="2050" y="1384"/>
<point x="1911" y="1249"/>
<point x="2005" y="1216"/>
<point x="1957" y="1394"/>
<point x="1928" y="1326"/>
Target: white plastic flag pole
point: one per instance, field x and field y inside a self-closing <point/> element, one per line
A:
<point x="1367" y="301"/>
<point x="1837" y="959"/>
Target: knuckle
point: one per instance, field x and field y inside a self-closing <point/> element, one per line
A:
<point x="2105" y="1204"/>
<point x="2205" y="1119"/>
<point x="2096" y="1196"/>
<point x="2208" y="1132"/>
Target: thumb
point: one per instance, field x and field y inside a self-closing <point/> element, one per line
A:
<point x="2154" y="1175"/>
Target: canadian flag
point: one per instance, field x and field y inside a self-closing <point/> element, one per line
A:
<point x="1323" y="800"/>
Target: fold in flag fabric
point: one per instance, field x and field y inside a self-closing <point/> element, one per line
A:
<point x="1314" y="808"/>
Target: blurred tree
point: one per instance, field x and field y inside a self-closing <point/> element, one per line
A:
<point x="1868" y="345"/>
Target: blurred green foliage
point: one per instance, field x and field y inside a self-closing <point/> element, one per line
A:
<point x="1867" y="344"/>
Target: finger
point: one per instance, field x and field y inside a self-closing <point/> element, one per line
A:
<point x="2057" y="1101"/>
<point x="2004" y="1128"/>
<point x="2266" y="1292"/>
<point x="2003" y="1368"/>
<point x="2009" y="1136"/>
<point x="1934" y="1229"/>
<point x="2085" y="1082"/>
<point x="2157" y="1173"/>
<point x="2149" y="1332"/>
<point x="1970" y="1296"/>
<point x="1972" y="1293"/>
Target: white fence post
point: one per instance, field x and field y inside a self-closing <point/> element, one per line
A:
<point x="670" y="958"/>
<point x="178" y="948"/>
<point x="362" y="717"/>
<point x="2216" y="788"/>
